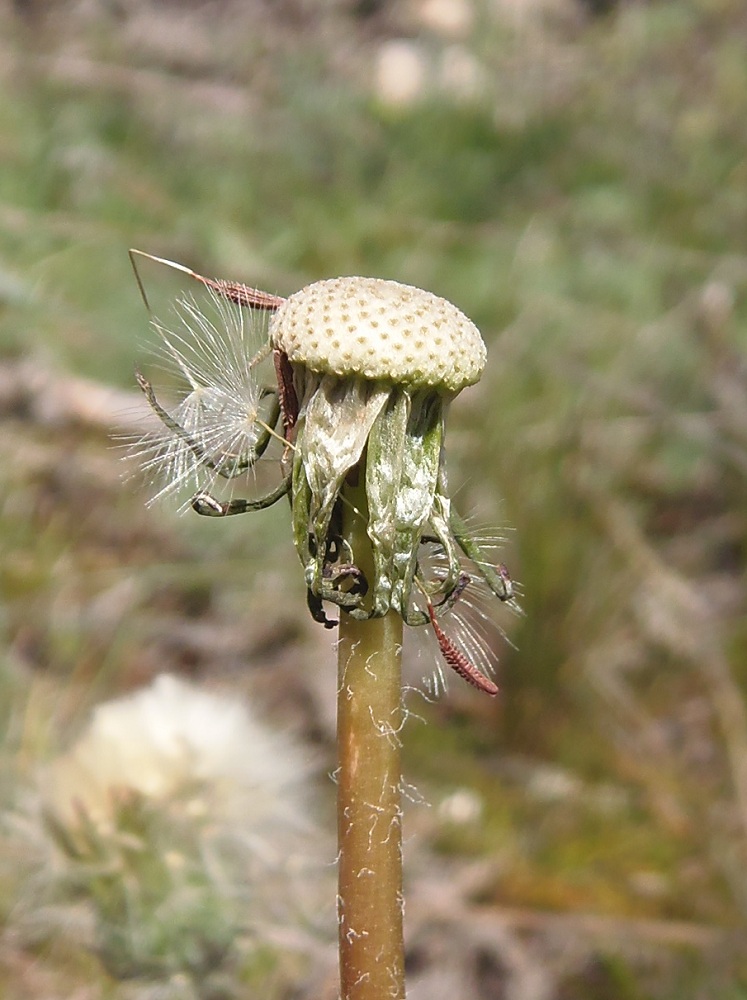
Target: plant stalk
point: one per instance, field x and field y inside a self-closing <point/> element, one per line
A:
<point x="369" y="817"/>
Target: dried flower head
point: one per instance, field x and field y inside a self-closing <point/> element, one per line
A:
<point x="365" y="371"/>
<point x="178" y="817"/>
<point x="175" y="739"/>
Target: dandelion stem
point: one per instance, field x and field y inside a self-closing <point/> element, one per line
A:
<point x="369" y="817"/>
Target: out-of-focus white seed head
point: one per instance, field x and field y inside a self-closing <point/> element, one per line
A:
<point x="378" y="329"/>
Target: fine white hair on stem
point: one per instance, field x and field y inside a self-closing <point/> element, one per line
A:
<point x="215" y="359"/>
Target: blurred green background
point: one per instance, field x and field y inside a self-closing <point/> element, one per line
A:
<point x="575" y="179"/>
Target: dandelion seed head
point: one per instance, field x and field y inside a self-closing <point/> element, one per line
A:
<point x="177" y="820"/>
<point x="174" y="738"/>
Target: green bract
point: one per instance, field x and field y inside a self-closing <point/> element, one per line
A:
<point x="374" y="366"/>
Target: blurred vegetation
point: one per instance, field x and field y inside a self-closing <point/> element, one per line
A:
<point x="588" y="209"/>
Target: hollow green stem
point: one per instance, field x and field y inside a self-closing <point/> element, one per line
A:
<point x="369" y="818"/>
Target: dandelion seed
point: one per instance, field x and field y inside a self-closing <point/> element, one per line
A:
<point x="472" y="620"/>
<point x="458" y="660"/>
<point x="218" y="426"/>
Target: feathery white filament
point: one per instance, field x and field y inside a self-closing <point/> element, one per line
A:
<point x="220" y="395"/>
<point x="473" y="622"/>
